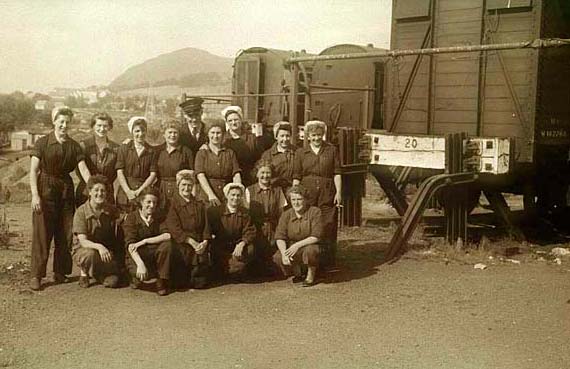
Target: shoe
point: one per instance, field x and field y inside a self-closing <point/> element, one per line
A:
<point x="298" y="279"/>
<point x="35" y="284"/>
<point x="309" y="284"/>
<point x="161" y="287"/>
<point x="60" y="278"/>
<point x="84" y="281"/>
<point x="111" y="281"/>
<point x="135" y="283"/>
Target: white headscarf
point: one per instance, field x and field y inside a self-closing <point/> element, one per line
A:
<point x="230" y="186"/>
<point x="56" y="111"/>
<point x="133" y="120"/>
<point x="278" y="126"/>
<point x="232" y="109"/>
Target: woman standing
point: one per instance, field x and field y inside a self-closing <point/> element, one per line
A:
<point x="241" y="141"/>
<point x="54" y="156"/>
<point x="96" y="248"/>
<point x="171" y="158"/>
<point x="266" y="202"/>
<point x="297" y="236"/>
<point x="281" y="156"/>
<point x="317" y="168"/>
<point x="100" y="156"/>
<point x="233" y="234"/>
<point x="216" y="166"/>
<point x="136" y="166"/>
<point x="148" y="243"/>
<point x="187" y="224"/>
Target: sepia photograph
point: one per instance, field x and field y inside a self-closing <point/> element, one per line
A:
<point x="285" y="184"/>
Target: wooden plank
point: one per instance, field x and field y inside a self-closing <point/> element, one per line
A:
<point x="457" y="127"/>
<point x="446" y="5"/>
<point x="452" y="92"/>
<point x="459" y="104"/>
<point x="503" y="92"/>
<point x="413" y="116"/>
<point x="443" y="116"/>
<point x="456" y="79"/>
<point x="508" y="118"/>
<point x="406" y="127"/>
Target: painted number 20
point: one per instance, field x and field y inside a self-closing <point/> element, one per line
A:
<point x="411" y="142"/>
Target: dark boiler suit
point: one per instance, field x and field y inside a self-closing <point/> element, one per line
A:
<point x="55" y="188"/>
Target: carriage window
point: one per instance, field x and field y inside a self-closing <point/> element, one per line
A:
<point x="405" y="9"/>
<point x="508" y="4"/>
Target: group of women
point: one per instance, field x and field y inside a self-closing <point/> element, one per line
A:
<point x="213" y="203"/>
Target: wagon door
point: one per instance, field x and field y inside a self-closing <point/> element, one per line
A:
<point x="247" y="79"/>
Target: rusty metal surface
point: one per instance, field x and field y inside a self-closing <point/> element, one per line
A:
<point x="531" y="44"/>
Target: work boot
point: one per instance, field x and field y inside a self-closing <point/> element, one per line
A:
<point x="35" y="284"/>
<point x="162" y="287"/>
<point x="84" y="281"/>
<point x="135" y="283"/>
<point x="111" y="281"/>
<point x="60" y="278"/>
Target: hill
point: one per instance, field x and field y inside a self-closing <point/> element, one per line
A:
<point x="189" y="67"/>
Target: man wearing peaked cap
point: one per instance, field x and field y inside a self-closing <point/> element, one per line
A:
<point x="192" y="132"/>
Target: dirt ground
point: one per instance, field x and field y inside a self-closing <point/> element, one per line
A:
<point x="430" y="309"/>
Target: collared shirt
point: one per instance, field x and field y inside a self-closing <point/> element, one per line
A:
<point x="230" y="228"/>
<point x="283" y="164"/>
<point x="133" y="165"/>
<point x="101" y="161"/>
<point x="292" y="228"/>
<point x="187" y="218"/>
<point x="98" y="228"/>
<point x="265" y="204"/>
<point x="224" y="165"/>
<point x="324" y="164"/>
<point x="136" y="229"/>
<point x="193" y="142"/>
<point x="245" y="148"/>
<point x="57" y="159"/>
<point x="169" y="163"/>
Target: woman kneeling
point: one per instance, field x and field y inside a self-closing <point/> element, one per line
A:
<point x="148" y="243"/>
<point x="233" y="234"/>
<point x="96" y="246"/>
<point x="297" y="236"/>
<point x="188" y="226"/>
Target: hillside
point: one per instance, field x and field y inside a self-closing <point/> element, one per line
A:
<point x="187" y="67"/>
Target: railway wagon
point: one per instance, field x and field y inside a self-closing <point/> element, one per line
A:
<point x="343" y="93"/>
<point x="521" y="93"/>
<point x="352" y="89"/>
<point x="261" y="73"/>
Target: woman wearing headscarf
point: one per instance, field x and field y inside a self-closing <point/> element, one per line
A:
<point x="136" y="165"/>
<point x="53" y="158"/>
<point x="148" y="243"/>
<point x="317" y="168"/>
<point x="297" y="237"/>
<point x="188" y="226"/>
<point x="233" y="233"/>
<point x="216" y="165"/>
<point x="281" y="155"/>
<point x="96" y="247"/>
<point x="100" y="156"/>
<point x="241" y="141"/>
<point x="171" y="157"/>
<point x="266" y="202"/>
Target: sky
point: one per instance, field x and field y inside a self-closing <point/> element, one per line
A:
<point x="78" y="43"/>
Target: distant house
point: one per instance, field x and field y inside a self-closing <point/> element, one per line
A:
<point x="24" y="140"/>
<point x="43" y="105"/>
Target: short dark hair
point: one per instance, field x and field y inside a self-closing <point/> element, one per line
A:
<point x="261" y="164"/>
<point x="147" y="191"/>
<point x="102" y="116"/>
<point x="213" y="124"/>
<point x="97" y="179"/>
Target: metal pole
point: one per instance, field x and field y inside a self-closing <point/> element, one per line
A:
<point x="534" y="44"/>
<point x="294" y="92"/>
